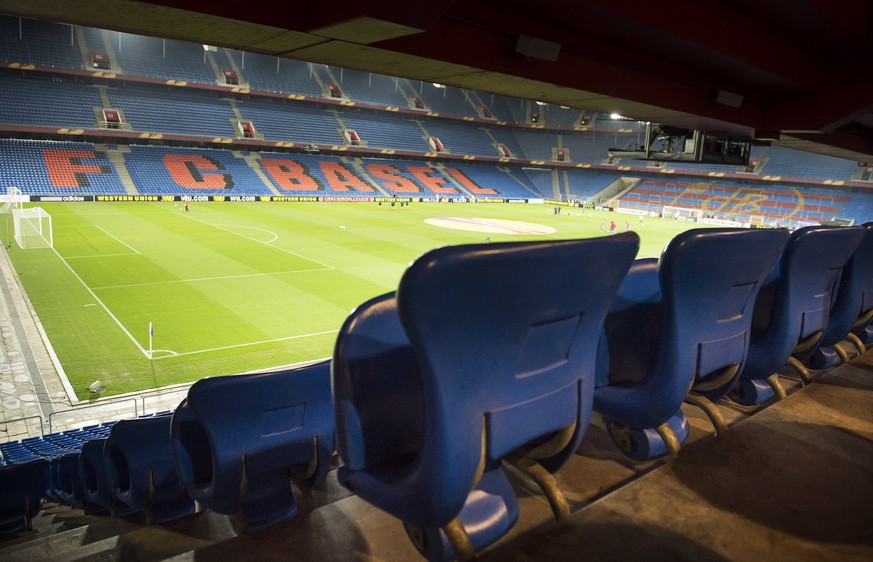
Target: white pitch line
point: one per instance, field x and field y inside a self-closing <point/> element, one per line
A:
<point x="100" y="302"/>
<point x="234" y="346"/>
<point x="219" y="278"/>
<point x="131" y="248"/>
<point x="258" y="241"/>
<point x="100" y="256"/>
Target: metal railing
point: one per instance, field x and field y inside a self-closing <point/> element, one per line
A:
<point x="92" y="406"/>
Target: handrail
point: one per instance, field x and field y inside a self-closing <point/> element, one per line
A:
<point x="98" y="405"/>
<point x="35" y="417"/>
<point x="183" y="391"/>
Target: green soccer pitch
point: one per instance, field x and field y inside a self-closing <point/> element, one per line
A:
<point x="238" y="287"/>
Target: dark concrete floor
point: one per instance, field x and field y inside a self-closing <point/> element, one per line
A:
<point x="793" y="482"/>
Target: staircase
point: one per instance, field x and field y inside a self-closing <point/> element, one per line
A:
<point x="116" y="156"/>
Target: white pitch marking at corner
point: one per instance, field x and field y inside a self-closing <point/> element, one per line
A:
<point x="219" y="227"/>
<point x="131" y="248"/>
<point x="101" y="303"/>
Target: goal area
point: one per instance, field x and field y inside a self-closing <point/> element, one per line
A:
<point x="682" y="213"/>
<point x="33" y="228"/>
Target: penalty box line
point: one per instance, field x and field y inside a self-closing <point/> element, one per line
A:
<point x="238" y="345"/>
<point x="268" y="244"/>
<point x="203" y="279"/>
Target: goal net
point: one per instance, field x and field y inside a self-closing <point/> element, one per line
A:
<point x="33" y="228"/>
<point x="682" y="213"/>
<point x="14" y="200"/>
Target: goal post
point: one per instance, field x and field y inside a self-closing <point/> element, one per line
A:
<point x="682" y="213"/>
<point x="14" y="199"/>
<point x="33" y="228"/>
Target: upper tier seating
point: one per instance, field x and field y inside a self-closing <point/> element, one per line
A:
<point x="165" y="109"/>
<point x="391" y="131"/>
<point x="281" y="120"/>
<point x="276" y="74"/>
<point x="444" y="100"/>
<point x="36" y="42"/>
<point x="162" y="58"/>
<point x="371" y="88"/>
<point x="47" y="102"/>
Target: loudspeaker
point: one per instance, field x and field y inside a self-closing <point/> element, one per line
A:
<point x="728" y="98"/>
<point x="537" y="48"/>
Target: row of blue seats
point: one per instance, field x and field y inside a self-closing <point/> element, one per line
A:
<point x="424" y="412"/>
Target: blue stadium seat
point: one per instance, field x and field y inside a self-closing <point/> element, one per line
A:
<point x="22" y="488"/>
<point x="677" y="324"/>
<point x="468" y="364"/>
<point x="241" y="440"/>
<point x="97" y="497"/>
<point x="791" y="311"/>
<point x="851" y="309"/>
<point x="66" y="480"/>
<point x="141" y="471"/>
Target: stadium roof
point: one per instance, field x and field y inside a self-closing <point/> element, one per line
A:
<point x="795" y="71"/>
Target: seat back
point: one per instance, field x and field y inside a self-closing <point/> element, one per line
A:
<point x="794" y="306"/>
<point x="255" y="433"/>
<point x="687" y="327"/>
<point x="503" y="339"/>
<point x="141" y="470"/>
<point x="22" y="488"/>
<point x="97" y="496"/>
<point x="853" y="301"/>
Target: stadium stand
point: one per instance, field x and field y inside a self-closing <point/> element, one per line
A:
<point x="163" y="109"/>
<point x="40" y="43"/>
<point x="447" y="101"/>
<point x="388" y="131"/>
<point x="161" y="170"/>
<point x="371" y="88"/>
<point x="40" y="100"/>
<point x="47" y="102"/>
<point x="461" y="138"/>
<point x="162" y="58"/>
<point x="57" y="168"/>
<point x="279" y="75"/>
<point x="280" y="120"/>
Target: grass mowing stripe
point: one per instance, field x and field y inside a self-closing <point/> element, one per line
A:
<point x="134" y="250"/>
<point x="100" y="302"/>
<point x="247" y="344"/>
<point x="218" y="286"/>
<point x="220" y="227"/>
<point x="219" y="278"/>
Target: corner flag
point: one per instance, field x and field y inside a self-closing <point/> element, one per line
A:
<point x="151" y="334"/>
